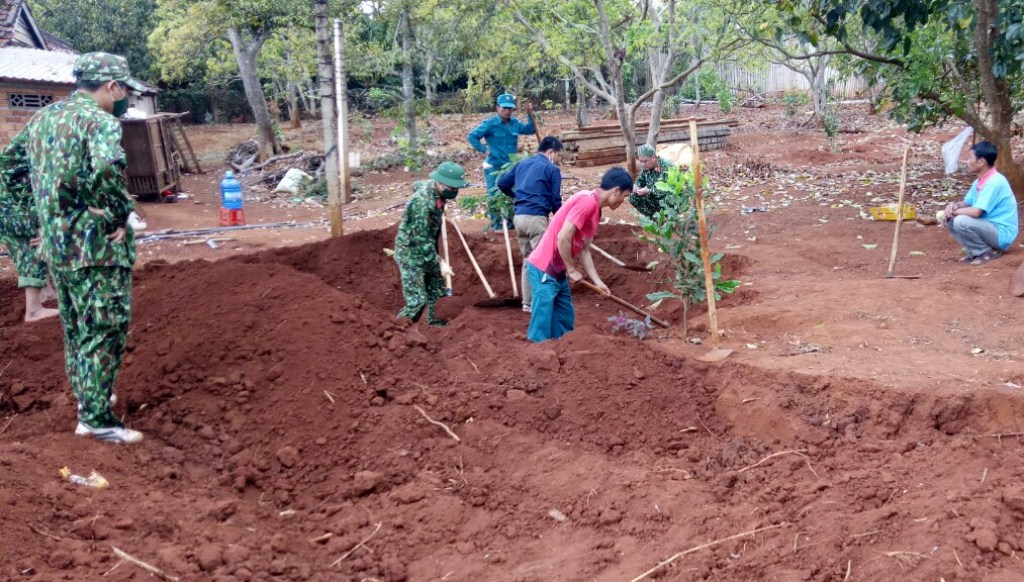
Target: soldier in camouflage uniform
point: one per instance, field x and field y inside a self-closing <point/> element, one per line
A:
<point x="77" y="172"/>
<point x="416" y="243"/>
<point x="19" y="227"/>
<point x="645" y="197"/>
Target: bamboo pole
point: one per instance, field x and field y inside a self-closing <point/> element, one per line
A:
<point x="705" y="252"/>
<point x="341" y="94"/>
<point x="899" y="215"/>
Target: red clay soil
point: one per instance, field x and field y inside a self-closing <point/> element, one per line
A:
<point x="866" y="428"/>
<point x="278" y="393"/>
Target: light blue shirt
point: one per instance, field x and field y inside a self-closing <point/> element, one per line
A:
<point x="502" y="138"/>
<point x="998" y="205"/>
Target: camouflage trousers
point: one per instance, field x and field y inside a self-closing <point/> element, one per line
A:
<point x="95" y="308"/>
<point x="422" y="286"/>
<point x="17" y="228"/>
<point x="648" y="205"/>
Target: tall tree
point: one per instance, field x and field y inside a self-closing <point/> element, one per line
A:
<point x="940" y="59"/>
<point x="114" y="26"/>
<point x="247" y="25"/>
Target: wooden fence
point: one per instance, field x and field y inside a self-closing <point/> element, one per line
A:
<point x="777" y="78"/>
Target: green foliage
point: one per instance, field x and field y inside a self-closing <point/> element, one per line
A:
<point x="711" y="84"/>
<point x="495" y="201"/>
<point x="792" y="99"/>
<point x="674" y="231"/>
<point x="114" y="26"/>
<point x="726" y="100"/>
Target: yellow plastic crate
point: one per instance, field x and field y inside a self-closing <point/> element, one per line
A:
<point x="888" y="212"/>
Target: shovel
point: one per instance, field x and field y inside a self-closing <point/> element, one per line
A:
<point x="891" y="274"/>
<point x="494" y="300"/>
<point x="444" y="242"/>
<point x="515" y="300"/>
<point x="716" y="352"/>
<point x="618" y="262"/>
<point x="624" y="303"/>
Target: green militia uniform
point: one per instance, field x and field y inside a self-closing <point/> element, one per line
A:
<point x="19" y="222"/>
<point x="74" y="150"/>
<point x="650" y="204"/>
<point x="416" y="252"/>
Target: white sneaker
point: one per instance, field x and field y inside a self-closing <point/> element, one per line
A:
<point x="114" y="434"/>
<point x="527" y="308"/>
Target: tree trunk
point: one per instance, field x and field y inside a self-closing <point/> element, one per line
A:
<point x="246" y="54"/>
<point x="657" y="106"/>
<point x="408" y="89"/>
<point x="325" y="74"/>
<point x="819" y="87"/>
<point x="294" y="115"/>
<point x="582" y="119"/>
<point x="428" y="82"/>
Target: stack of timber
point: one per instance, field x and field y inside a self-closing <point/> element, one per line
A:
<point x="603" y="144"/>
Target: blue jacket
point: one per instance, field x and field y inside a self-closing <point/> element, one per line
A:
<point x="537" y="186"/>
<point x="502" y="138"/>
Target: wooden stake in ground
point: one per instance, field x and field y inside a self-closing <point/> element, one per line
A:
<point x="472" y="259"/>
<point x="511" y="262"/>
<point x="899" y="216"/>
<point x="341" y="93"/>
<point x="705" y="253"/>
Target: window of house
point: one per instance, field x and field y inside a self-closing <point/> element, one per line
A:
<point x="30" y="100"/>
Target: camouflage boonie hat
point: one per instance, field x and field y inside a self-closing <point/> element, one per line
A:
<point x="105" y="67"/>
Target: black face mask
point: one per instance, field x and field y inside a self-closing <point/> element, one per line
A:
<point x="449" y="193"/>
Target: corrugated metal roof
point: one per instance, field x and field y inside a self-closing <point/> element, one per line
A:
<point x="25" y="64"/>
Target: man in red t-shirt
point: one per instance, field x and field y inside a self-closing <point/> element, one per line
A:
<point x="563" y="249"/>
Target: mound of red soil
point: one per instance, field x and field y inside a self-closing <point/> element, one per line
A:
<point x="285" y="411"/>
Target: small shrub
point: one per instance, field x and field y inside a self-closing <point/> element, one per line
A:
<point x="640" y="329"/>
<point x="792" y="99"/>
<point x="726" y="100"/>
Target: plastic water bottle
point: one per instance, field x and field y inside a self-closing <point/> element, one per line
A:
<point x="230" y="192"/>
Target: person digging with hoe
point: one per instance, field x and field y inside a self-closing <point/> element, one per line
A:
<point x="564" y="248"/>
<point x="77" y="168"/>
<point x="421" y="266"/>
<point x="985" y="223"/>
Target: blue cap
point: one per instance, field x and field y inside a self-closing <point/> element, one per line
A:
<point x="507" y="100"/>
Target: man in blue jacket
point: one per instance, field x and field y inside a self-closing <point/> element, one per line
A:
<point x="985" y="223"/>
<point x="536" y="185"/>
<point x="501" y="132"/>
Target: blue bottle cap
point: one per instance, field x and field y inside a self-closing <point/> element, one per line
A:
<point x="229" y="174"/>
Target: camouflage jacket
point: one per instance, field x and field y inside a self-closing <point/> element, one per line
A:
<point x="650" y="204"/>
<point x="17" y="205"/>
<point x="416" y="242"/>
<point x="76" y="160"/>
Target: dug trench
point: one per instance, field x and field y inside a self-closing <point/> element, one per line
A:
<point x="282" y="401"/>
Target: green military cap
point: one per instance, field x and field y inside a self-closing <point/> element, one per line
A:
<point x="450" y="174"/>
<point x="646" y="150"/>
<point x="105" y="67"/>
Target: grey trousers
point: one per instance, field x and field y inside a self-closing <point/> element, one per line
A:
<point x="977" y="235"/>
<point x="530" y="230"/>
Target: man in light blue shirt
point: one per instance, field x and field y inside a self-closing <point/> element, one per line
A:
<point x="985" y="223"/>
<point x="501" y="132"/>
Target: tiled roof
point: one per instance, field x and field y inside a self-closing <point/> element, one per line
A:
<point x="25" y="64"/>
<point x="9" y="10"/>
<point x="57" y="44"/>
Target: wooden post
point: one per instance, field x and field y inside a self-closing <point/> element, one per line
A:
<point x="705" y="252"/>
<point x="444" y="242"/>
<point x="341" y="92"/>
<point x="899" y="215"/>
<point x="325" y="72"/>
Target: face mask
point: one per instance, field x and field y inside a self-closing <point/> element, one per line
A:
<point x="120" y="105"/>
<point x="449" y="193"/>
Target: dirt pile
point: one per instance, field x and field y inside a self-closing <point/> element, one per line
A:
<point x="279" y="396"/>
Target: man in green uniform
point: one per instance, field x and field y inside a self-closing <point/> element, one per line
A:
<point x="645" y="197"/>
<point x="416" y="244"/>
<point x="77" y="172"/>
<point x="19" y="228"/>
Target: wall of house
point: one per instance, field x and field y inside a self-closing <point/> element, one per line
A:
<point x="17" y="110"/>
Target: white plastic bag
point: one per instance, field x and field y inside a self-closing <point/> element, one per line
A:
<point x="951" y="150"/>
<point x="293" y="178"/>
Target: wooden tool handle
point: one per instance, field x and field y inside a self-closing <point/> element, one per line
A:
<point x="606" y="255"/>
<point x="624" y="303"/>
<point x="511" y="262"/>
<point x="444" y="243"/>
<point x="472" y="259"/>
<point x="705" y="252"/>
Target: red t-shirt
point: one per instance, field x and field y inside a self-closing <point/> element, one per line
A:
<point x="582" y="209"/>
